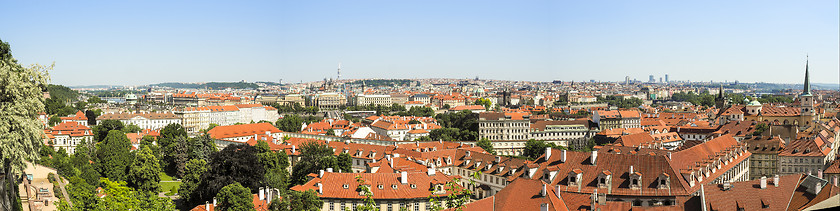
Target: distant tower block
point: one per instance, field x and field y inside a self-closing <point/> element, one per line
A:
<point x="339" y="72"/>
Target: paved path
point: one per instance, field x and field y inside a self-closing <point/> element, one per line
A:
<point x="63" y="191"/>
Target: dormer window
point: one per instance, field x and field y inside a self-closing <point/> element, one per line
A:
<point x="605" y="179"/>
<point x="664" y="181"/>
<point x="413" y="186"/>
<point x="380" y="186"/>
<point x="346" y="186"/>
<point x="635" y="180"/>
<point x="394" y="187"/>
<point x="574" y="178"/>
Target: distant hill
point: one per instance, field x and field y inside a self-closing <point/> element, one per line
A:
<point x="384" y="82"/>
<point x="209" y="85"/>
<point x="62" y="93"/>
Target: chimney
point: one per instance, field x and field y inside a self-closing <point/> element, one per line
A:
<point x="557" y="191"/>
<point x="321" y="173"/>
<point x="763" y="182"/>
<point x="206" y="205"/>
<point x="431" y="171"/>
<point x="214" y="201"/>
<point x="820" y="173"/>
<point x="262" y="193"/>
<point x="631" y="170"/>
<point x="547" y="153"/>
<point x="834" y="180"/>
<point x="776" y="180"/>
<point x="293" y="149"/>
<point x="563" y="156"/>
<point x="330" y="170"/>
<point x="404" y="177"/>
<point x="320" y="188"/>
<point x="544" y="191"/>
<point x="594" y="157"/>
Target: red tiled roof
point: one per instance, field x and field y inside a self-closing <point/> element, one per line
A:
<point x="230" y="131"/>
<point x="749" y="196"/>
<point x="333" y="185"/>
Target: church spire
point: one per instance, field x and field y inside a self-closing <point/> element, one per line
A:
<point x="807" y="89"/>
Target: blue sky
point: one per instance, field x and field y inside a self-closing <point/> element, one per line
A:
<point x="142" y="42"/>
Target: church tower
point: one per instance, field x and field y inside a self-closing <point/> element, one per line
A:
<point x="720" y="100"/>
<point x="806" y="99"/>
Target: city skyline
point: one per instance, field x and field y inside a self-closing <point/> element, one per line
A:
<point x="143" y="43"/>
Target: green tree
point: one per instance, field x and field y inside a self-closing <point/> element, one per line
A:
<point x="131" y="128"/>
<point x="345" y="162"/>
<point x="534" y="149"/>
<point x="235" y="163"/>
<point x="330" y="132"/>
<point x="180" y="154"/>
<point x="113" y="156"/>
<point x="314" y="156"/>
<point x="144" y="173"/>
<point x="192" y="177"/>
<point x="82" y="195"/>
<point x="275" y="164"/>
<point x="101" y="130"/>
<point x="202" y="146"/>
<point x="21" y="99"/>
<point x="54" y="120"/>
<point x="300" y="201"/>
<point x="290" y="123"/>
<point x="458" y="195"/>
<point x="95" y="100"/>
<point x="485" y="102"/>
<point x="485" y="144"/>
<point x="234" y="197"/>
<point x="368" y="203"/>
<point x="118" y="196"/>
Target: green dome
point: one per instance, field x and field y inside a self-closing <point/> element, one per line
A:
<point x="754" y="103"/>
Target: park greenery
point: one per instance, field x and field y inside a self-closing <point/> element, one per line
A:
<point x="620" y="101"/>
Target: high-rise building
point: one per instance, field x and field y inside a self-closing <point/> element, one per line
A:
<point x="651" y="79"/>
<point x="666" y="79"/>
<point x="626" y="79"/>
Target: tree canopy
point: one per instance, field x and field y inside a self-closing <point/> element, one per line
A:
<point x="234" y="197"/>
<point x="144" y="173"/>
<point x="235" y="163"/>
<point x="113" y="156"/>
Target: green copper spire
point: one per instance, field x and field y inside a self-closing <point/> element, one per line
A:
<point x="807" y="89"/>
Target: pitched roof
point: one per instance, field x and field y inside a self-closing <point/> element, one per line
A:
<point x="418" y="187"/>
<point x="230" y="131"/>
<point x="749" y="195"/>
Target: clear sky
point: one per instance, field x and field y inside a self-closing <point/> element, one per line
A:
<point x="142" y="42"/>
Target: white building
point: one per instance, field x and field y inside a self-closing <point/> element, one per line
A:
<point x="144" y="120"/>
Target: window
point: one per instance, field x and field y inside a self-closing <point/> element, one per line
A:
<point x="332" y="206"/>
